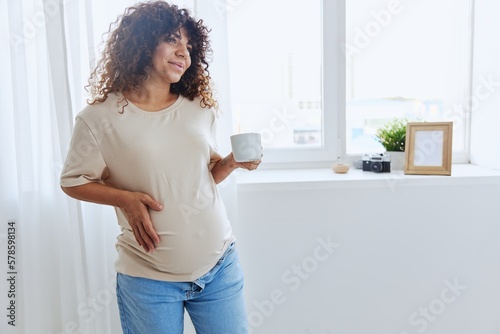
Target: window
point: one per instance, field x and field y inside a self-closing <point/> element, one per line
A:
<point x="409" y="60"/>
<point x="276" y="69"/>
<point x="275" y="52"/>
<point x="317" y="79"/>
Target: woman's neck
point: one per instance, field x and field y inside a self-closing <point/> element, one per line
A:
<point x="151" y="98"/>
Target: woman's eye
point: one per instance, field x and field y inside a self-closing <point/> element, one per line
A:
<point x="169" y="39"/>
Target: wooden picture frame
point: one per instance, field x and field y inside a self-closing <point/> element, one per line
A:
<point x="428" y="148"/>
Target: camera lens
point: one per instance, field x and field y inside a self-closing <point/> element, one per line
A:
<point x="376" y="167"/>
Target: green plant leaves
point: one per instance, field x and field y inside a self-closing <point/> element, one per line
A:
<point x="393" y="135"/>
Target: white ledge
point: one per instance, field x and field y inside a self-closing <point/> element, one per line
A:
<point x="321" y="178"/>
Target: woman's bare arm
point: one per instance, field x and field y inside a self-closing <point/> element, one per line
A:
<point x="223" y="167"/>
<point x="134" y="205"/>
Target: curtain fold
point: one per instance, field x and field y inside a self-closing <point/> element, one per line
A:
<point x="75" y="279"/>
<point x="57" y="288"/>
<point x="65" y="249"/>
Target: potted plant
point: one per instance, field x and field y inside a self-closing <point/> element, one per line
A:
<point x="392" y="136"/>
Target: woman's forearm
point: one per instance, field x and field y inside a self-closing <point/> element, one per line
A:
<point x="97" y="193"/>
<point x="223" y="168"/>
<point x="134" y="205"/>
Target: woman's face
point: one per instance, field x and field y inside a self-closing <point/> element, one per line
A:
<point x="171" y="58"/>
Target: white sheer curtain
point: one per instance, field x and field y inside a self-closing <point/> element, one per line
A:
<point x="64" y="275"/>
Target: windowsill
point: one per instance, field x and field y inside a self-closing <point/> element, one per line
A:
<point x="321" y="178"/>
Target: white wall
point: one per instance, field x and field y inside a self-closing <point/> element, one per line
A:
<point x="396" y="249"/>
<point x="485" y="129"/>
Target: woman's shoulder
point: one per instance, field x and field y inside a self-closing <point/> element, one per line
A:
<point x="198" y="109"/>
<point x="197" y="104"/>
<point x="97" y="110"/>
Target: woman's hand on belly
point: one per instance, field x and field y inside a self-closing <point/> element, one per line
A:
<point x="134" y="206"/>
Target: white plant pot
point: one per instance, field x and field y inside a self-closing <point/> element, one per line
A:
<point x="397" y="160"/>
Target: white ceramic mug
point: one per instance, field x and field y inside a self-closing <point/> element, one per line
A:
<point x="246" y="147"/>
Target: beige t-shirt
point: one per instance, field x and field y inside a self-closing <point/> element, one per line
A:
<point x="165" y="154"/>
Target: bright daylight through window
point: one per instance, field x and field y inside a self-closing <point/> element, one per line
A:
<point x="275" y="68"/>
<point x="405" y="59"/>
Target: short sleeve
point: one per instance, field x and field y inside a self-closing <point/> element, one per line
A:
<point x="84" y="161"/>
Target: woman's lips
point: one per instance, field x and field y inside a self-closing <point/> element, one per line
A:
<point x="177" y="64"/>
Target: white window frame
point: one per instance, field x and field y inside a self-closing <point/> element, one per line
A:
<point x="334" y="100"/>
<point x="333" y="97"/>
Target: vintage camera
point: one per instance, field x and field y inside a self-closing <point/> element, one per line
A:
<point x="377" y="163"/>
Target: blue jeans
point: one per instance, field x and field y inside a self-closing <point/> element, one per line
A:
<point x="214" y="301"/>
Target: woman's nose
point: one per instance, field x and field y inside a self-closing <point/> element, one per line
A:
<point x="182" y="51"/>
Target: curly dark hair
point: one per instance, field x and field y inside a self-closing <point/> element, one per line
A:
<point x="132" y="40"/>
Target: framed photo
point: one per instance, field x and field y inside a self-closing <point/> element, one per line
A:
<point x="428" y="148"/>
